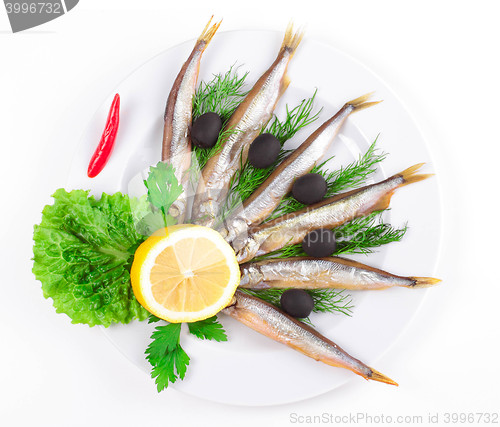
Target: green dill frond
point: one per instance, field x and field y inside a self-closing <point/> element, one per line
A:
<point x="349" y="177"/>
<point x="363" y="235"/>
<point x="287" y="205"/>
<point x="325" y="300"/>
<point x="285" y="252"/>
<point x="248" y="178"/>
<point x="358" y="236"/>
<point x="272" y="296"/>
<point x="203" y="155"/>
<point x="221" y="95"/>
<point x="331" y="300"/>
<point x="295" y="119"/>
<point x="354" y="174"/>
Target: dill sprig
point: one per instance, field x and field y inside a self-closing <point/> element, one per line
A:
<point x="295" y="119"/>
<point x="221" y="95"/>
<point x="331" y="300"/>
<point x="349" y="177"/>
<point x="203" y="155"/>
<point x="247" y="179"/>
<point x="363" y="235"/>
<point x="325" y="300"/>
<point x="358" y="236"/>
<point x="354" y="174"/>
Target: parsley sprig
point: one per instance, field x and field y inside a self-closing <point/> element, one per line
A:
<point x="168" y="359"/>
<point x="163" y="187"/>
<point x="166" y="356"/>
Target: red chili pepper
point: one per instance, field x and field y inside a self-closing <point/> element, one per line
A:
<point x="107" y="142"/>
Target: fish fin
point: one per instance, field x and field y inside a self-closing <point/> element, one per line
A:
<point x="382" y="203"/>
<point x="377" y="376"/>
<point x="361" y="102"/>
<point x="284" y="85"/>
<point x="292" y="39"/>
<point x="424" y="282"/>
<point x="208" y="32"/>
<point x="232" y="303"/>
<point x="409" y="175"/>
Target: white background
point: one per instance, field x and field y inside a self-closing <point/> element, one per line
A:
<point x="441" y="58"/>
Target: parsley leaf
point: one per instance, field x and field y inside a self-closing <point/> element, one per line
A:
<point x="153" y="319"/>
<point x="163" y="187"/>
<point x="166" y="355"/>
<point x="163" y="371"/>
<point x="208" y="329"/>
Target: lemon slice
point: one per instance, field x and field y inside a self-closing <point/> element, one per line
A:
<point x="185" y="273"/>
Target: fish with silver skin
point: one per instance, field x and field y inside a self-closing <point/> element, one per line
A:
<point x="176" y="147"/>
<point x="243" y="127"/>
<point x="323" y="273"/>
<point x="290" y="229"/>
<point x="277" y="325"/>
<point x="267" y="197"/>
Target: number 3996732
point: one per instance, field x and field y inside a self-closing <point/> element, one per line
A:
<point x="34" y="8"/>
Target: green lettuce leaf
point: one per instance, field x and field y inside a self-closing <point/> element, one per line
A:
<point x="148" y="219"/>
<point x="83" y="251"/>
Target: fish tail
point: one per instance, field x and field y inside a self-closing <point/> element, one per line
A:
<point x="377" y="376"/>
<point x="208" y="32"/>
<point x="401" y="179"/>
<point x="410" y="175"/>
<point x="292" y="39"/>
<point x="424" y="282"/>
<point x="361" y="102"/>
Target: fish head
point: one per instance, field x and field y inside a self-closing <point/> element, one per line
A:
<point x="245" y="248"/>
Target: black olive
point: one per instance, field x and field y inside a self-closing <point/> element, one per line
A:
<point x="297" y="303"/>
<point x="264" y="151"/>
<point x="205" y="130"/>
<point x="309" y="189"/>
<point x="319" y="243"/>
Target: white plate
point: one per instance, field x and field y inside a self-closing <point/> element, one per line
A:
<point x="251" y="369"/>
